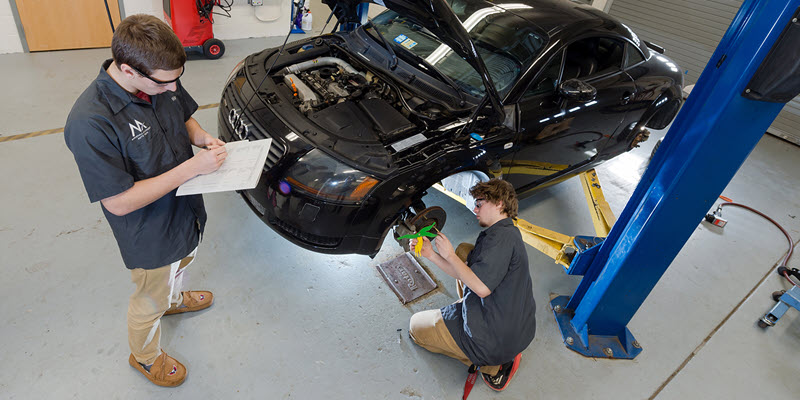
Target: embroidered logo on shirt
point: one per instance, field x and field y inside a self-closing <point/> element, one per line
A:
<point x="139" y="130"/>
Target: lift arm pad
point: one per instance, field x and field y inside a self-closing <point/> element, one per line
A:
<point x="777" y="80"/>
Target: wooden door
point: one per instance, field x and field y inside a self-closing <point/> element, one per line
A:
<point x="74" y="24"/>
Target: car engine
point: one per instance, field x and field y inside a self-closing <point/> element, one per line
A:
<point x="336" y="96"/>
<point x="325" y="81"/>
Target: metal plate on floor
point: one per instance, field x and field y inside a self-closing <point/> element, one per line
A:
<point x="406" y="277"/>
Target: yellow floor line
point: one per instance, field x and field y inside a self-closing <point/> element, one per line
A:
<point x="60" y="130"/>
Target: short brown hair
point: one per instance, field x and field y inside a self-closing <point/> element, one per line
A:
<point x="147" y="44"/>
<point x="496" y="191"/>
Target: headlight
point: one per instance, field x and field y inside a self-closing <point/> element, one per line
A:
<point x="235" y="71"/>
<point x="318" y="174"/>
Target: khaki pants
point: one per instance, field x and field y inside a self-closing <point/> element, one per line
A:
<point x="156" y="290"/>
<point x="428" y="330"/>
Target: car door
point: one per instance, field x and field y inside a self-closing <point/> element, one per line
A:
<point x="558" y="133"/>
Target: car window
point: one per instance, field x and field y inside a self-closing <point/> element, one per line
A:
<point x="632" y="55"/>
<point x="591" y="57"/>
<point x="546" y="81"/>
<point x="505" y="49"/>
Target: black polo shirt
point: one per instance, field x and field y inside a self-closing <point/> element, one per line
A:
<point x="118" y="139"/>
<point x="494" y="329"/>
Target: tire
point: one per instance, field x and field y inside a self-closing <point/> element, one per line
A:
<point x="213" y="49"/>
<point x="655" y="148"/>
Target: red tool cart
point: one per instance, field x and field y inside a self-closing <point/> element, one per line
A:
<point x="192" y="21"/>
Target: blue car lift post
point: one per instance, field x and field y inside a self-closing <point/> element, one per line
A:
<point x="721" y="122"/>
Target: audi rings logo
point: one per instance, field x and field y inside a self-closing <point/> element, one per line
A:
<point x="240" y="127"/>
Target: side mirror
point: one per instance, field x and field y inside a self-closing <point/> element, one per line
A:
<point x="578" y="90"/>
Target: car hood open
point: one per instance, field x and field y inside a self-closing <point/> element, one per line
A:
<point x="436" y="16"/>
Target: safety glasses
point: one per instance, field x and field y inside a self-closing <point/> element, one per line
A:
<point x="158" y="82"/>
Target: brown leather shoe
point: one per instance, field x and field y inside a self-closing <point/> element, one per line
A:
<point x="192" y="301"/>
<point x="165" y="371"/>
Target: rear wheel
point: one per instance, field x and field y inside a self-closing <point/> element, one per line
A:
<point x="655" y="148"/>
<point x="213" y="49"/>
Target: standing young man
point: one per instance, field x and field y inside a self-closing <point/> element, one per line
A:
<point x="494" y="319"/>
<point x="131" y="133"/>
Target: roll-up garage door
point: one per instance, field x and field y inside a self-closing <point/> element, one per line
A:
<point x="690" y="31"/>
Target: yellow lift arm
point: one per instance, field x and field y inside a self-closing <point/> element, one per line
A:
<point x="602" y="216"/>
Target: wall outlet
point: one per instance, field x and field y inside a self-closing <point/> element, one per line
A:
<point x="256" y="2"/>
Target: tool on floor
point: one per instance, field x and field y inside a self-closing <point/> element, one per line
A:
<point x="192" y="21"/>
<point x="473" y="375"/>
<point x="785" y="298"/>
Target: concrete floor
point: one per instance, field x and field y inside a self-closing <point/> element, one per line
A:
<point x="293" y="324"/>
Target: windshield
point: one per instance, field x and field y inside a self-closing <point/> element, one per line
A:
<point x="505" y="42"/>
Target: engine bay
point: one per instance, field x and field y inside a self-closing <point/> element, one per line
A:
<point x="355" y="103"/>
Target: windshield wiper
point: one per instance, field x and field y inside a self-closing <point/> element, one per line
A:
<point x="393" y="63"/>
<point x="462" y="100"/>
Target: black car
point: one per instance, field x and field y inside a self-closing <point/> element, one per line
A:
<point x="433" y="91"/>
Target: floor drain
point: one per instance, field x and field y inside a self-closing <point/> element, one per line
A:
<point x="406" y="277"/>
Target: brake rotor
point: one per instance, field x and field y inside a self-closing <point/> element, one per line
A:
<point x="428" y="216"/>
<point x="416" y="223"/>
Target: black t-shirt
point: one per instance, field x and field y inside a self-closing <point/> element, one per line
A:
<point x="494" y="329"/>
<point x="118" y="139"/>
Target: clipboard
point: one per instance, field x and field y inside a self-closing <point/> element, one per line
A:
<point x="241" y="170"/>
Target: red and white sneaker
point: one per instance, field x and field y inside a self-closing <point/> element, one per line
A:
<point x="500" y="381"/>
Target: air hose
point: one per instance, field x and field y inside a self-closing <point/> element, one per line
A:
<point x="782" y="268"/>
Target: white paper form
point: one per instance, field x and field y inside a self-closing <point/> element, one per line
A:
<point x="241" y="169"/>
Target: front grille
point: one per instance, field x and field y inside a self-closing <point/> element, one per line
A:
<point x="324" y="241"/>
<point x="242" y="123"/>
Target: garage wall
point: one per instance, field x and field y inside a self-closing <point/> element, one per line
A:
<point x="9" y="37"/>
<point x="601" y="4"/>
<point x="691" y="31"/>
<point x="244" y="21"/>
<point x="271" y="19"/>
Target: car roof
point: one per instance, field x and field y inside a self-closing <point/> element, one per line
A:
<point x="559" y="18"/>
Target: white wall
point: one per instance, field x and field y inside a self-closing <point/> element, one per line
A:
<point x="243" y="22"/>
<point x="9" y="37"/>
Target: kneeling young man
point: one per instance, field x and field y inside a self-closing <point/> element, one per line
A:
<point x="494" y="319"/>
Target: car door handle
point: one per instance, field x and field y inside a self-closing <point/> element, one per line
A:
<point x="626" y="98"/>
